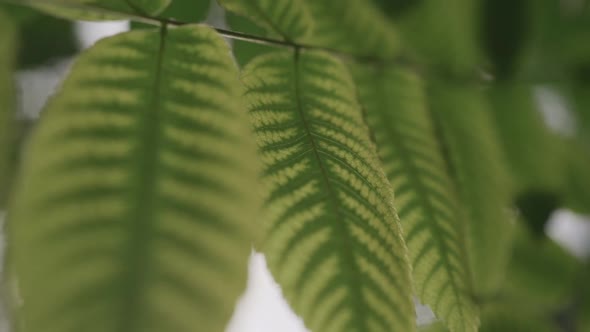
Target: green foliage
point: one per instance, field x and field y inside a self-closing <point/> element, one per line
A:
<point x="288" y="19"/>
<point x="443" y="33"/>
<point x="134" y="208"/>
<point x="526" y="139"/>
<point x="46" y="39"/>
<point x="139" y="197"/>
<point x="97" y="10"/>
<point x="434" y="227"/>
<point x="245" y="51"/>
<point x="354" y="26"/>
<point x="484" y="184"/>
<point x="7" y="62"/>
<point x="333" y="239"/>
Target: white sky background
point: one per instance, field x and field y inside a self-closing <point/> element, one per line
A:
<point x="262" y="307"/>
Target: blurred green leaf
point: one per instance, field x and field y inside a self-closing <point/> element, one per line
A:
<point x="290" y="20"/>
<point x="134" y="206"/>
<point x="479" y="167"/>
<point x="42" y="38"/>
<point x="245" y="51"/>
<point x="354" y="26"/>
<point x="443" y="34"/>
<point x="535" y="154"/>
<point x="8" y="45"/>
<point x="433" y="222"/>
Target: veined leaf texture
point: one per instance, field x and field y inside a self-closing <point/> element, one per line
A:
<point x="434" y="225"/>
<point x="354" y="26"/>
<point x="485" y="188"/>
<point x="289" y="19"/>
<point x="7" y="63"/>
<point x="333" y="239"/>
<point x="135" y="207"/>
<point x="139" y="197"/>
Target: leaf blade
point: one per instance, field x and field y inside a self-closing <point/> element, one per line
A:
<point x="353" y="26"/>
<point x="484" y="185"/>
<point x="136" y="190"/>
<point x="434" y="227"/>
<point x="286" y="18"/>
<point x="341" y="263"/>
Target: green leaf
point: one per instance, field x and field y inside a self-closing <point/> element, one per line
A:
<point x="333" y="239"/>
<point x="8" y="46"/>
<point x="478" y="165"/>
<point x="534" y="153"/>
<point x="287" y="18"/>
<point x="443" y="33"/>
<point x="96" y="10"/>
<point x="135" y="203"/>
<point x="44" y="39"/>
<point x="245" y="51"/>
<point x="354" y="26"/>
<point x="426" y="200"/>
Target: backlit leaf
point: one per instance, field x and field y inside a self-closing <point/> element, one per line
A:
<point x="333" y="239"/>
<point x="287" y="18"/>
<point x="478" y="165"/>
<point x="135" y="206"/>
<point x="354" y="26"/>
<point x="426" y="199"/>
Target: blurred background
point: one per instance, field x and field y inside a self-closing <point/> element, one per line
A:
<point x="47" y="47"/>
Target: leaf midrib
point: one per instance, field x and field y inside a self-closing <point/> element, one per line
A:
<point x="429" y="210"/>
<point x="356" y="296"/>
<point x="142" y="218"/>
